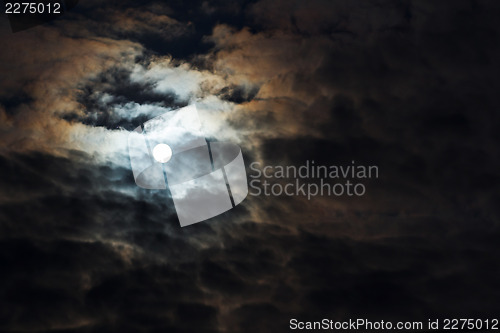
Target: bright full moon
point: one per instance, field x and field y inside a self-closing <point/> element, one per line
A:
<point x="162" y="153"/>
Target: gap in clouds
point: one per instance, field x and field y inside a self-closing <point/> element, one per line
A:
<point x="407" y="86"/>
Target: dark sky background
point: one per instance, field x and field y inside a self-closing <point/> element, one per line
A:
<point x="409" y="86"/>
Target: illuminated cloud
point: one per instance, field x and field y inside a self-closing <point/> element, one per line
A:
<point x="406" y="86"/>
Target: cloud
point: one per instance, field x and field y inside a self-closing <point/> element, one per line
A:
<point x="50" y="80"/>
<point x="408" y="87"/>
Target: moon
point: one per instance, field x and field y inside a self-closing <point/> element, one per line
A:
<point x="162" y="153"/>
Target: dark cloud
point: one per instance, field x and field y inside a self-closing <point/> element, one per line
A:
<point x="410" y="87"/>
<point x="113" y="89"/>
<point x="88" y="258"/>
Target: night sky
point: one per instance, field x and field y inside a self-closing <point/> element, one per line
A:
<point x="409" y="86"/>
